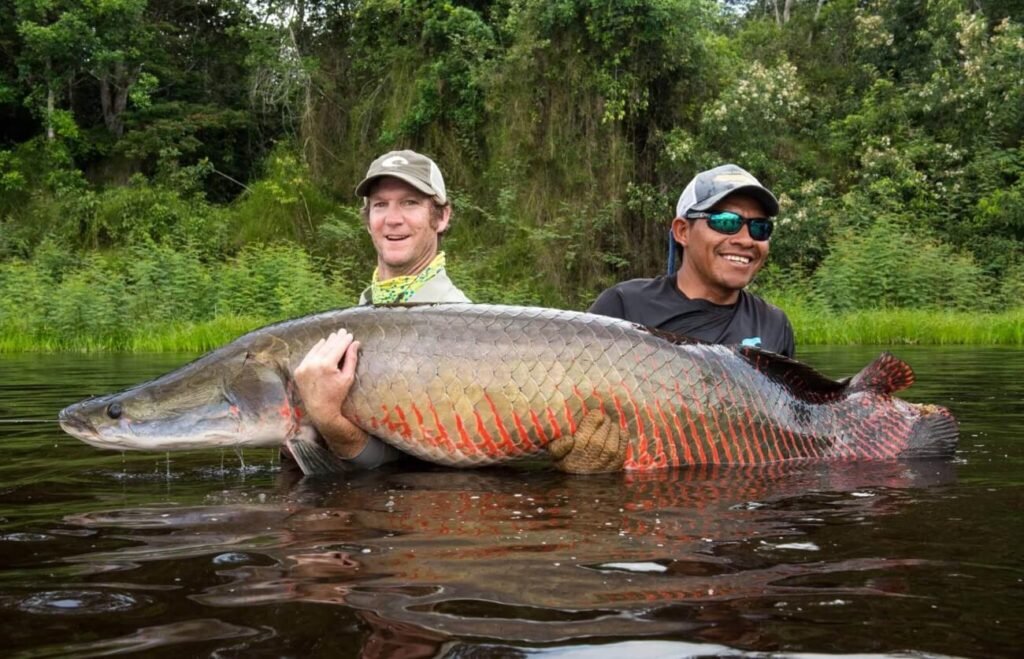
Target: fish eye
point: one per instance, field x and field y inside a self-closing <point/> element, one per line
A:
<point x="114" y="410"/>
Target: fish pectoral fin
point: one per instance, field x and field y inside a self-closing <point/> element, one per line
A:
<point x="598" y="446"/>
<point x="315" y="459"/>
<point x="271" y="351"/>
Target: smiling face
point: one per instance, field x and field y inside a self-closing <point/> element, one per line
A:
<point x="716" y="266"/>
<point x="404" y="225"/>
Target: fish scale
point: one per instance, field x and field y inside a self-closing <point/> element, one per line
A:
<point x="468" y="385"/>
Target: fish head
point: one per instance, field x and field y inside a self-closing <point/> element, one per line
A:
<point x="237" y="396"/>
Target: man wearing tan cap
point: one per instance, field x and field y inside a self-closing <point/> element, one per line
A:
<point x="406" y="209"/>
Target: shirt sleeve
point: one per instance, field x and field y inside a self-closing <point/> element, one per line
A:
<point x="374" y="454"/>
<point x="608" y="303"/>
<point x="788" y="340"/>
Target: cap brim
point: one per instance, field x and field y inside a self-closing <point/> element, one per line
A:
<point x="361" y="189"/>
<point x="767" y="199"/>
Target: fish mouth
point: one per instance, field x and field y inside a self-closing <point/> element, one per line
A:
<point x="77" y="426"/>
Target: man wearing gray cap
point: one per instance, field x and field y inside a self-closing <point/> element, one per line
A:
<point x="406" y="209"/>
<point x="722" y="227"/>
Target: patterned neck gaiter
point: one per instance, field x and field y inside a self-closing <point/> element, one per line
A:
<point x="400" y="289"/>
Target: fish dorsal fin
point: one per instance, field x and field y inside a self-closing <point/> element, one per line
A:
<point x="803" y="381"/>
<point x="885" y="375"/>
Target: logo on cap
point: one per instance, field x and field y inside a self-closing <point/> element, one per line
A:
<point x="394" y="161"/>
<point x="734" y="177"/>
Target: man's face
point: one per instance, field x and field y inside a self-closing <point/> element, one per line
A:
<point x="717" y="266"/>
<point x="404" y="227"/>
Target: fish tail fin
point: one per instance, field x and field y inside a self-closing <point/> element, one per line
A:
<point x="933" y="435"/>
<point x="314" y="459"/>
<point x="885" y="375"/>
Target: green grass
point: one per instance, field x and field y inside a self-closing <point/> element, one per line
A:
<point x="174" y="337"/>
<point x="813" y="326"/>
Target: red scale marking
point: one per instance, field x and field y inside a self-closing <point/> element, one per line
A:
<point x="524" y="436"/>
<point x="709" y="436"/>
<point x="668" y="434"/>
<point x="687" y="456"/>
<point x="419" y="420"/>
<point x="641" y="445"/>
<point x="694" y="433"/>
<point x="731" y="425"/>
<point x="579" y="394"/>
<point x="721" y="434"/>
<point x="403" y="427"/>
<point x="543" y="436"/>
<point x="444" y="440"/>
<point x="618" y="409"/>
<point x="758" y="440"/>
<point x="467" y="444"/>
<point x="630" y="462"/>
<point x="506" y="439"/>
<point x="780" y="443"/>
<point x="568" y="418"/>
<point x="489" y="447"/>
<point x="659" y="446"/>
<point x="556" y="431"/>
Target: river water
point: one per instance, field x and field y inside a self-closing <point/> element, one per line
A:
<point x="212" y="554"/>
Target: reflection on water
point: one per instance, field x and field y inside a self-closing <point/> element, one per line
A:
<point x="105" y="554"/>
<point x="538" y="559"/>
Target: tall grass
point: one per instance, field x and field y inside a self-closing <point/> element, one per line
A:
<point x="158" y="299"/>
<point x="815" y="325"/>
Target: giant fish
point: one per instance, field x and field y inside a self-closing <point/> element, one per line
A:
<point x="472" y="384"/>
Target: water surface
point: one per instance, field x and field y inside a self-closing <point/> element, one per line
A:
<point x="215" y="554"/>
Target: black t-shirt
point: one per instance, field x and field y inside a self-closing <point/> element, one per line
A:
<point x="659" y="304"/>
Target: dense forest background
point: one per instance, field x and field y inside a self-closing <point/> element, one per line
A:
<point x="179" y="161"/>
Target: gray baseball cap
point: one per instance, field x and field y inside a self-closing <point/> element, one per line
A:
<point x="414" y="168"/>
<point x="708" y="188"/>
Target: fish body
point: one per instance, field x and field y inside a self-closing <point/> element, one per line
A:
<point x="469" y="385"/>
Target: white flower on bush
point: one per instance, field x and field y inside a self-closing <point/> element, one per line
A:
<point x="759" y="98"/>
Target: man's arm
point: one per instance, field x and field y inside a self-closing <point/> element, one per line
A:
<point x="324" y="378"/>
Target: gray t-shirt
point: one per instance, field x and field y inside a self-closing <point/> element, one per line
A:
<point x="659" y="304"/>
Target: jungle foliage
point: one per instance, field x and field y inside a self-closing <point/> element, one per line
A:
<point x="181" y="162"/>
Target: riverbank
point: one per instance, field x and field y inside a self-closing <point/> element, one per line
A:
<point x="813" y="326"/>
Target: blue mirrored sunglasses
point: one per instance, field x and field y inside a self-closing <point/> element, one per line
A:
<point x="730" y="223"/>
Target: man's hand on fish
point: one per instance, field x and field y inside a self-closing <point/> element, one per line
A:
<point x="595" y="448"/>
<point x="324" y="378"/>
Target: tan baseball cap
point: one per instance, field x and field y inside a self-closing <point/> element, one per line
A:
<point x="414" y="168"/>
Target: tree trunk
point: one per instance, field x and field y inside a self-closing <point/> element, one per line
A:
<point x="114" y="88"/>
<point x="814" y="23"/>
<point x="50" y="102"/>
